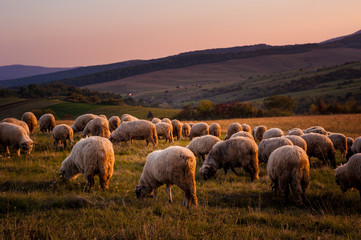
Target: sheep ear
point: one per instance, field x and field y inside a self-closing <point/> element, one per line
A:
<point x="61" y="172"/>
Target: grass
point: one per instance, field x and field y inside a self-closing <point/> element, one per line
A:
<point x="35" y="204"/>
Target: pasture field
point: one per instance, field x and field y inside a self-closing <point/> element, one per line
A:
<point x="35" y="204"/>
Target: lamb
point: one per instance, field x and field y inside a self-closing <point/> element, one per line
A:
<point x="273" y="132"/>
<point x="172" y="166"/>
<point x="199" y="129"/>
<point x="156" y="120"/>
<point x="289" y="166"/>
<point x="186" y="129"/>
<point x="127" y="118"/>
<point x="19" y="123"/>
<point x="201" y="146"/>
<point x="99" y="126"/>
<point x="81" y="121"/>
<point x="339" y="142"/>
<point x="16" y="137"/>
<point x="233" y="128"/>
<point x="177" y="128"/>
<point x="166" y="130"/>
<point x="246" y="128"/>
<point x="297" y="140"/>
<point x="316" y="129"/>
<point x="242" y="134"/>
<point x="355" y="148"/>
<point x="90" y="156"/>
<point x="267" y="146"/>
<point x="321" y="147"/>
<point x="235" y="152"/>
<point x="167" y="120"/>
<point x="30" y="119"/>
<point x="295" y="131"/>
<point x="141" y="129"/>
<point x="114" y="122"/>
<point x="350" y="142"/>
<point x="258" y="132"/>
<point x="62" y="133"/>
<point x="349" y="175"/>
<point x="47" y="122"/>
<point x="215" y="130"/>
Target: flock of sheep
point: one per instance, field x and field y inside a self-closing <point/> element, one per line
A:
<point x="287" y="156"/>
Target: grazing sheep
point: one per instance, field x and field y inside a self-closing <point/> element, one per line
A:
<point x="321" y="147"/>
<point x="233" y="128"/>
<point x="191" y="124"/>
<point x="103" y="116"/>
<point x="349" y="175"/>
<point x="19" y="123"/>
<point x="90" y="156"/>
<point x="295" y="131"/>
<point x="350" y="142"/>
<point x="339" y="142"/>
<point x="273" y="132"/>
<point x="61" y="133"/>
<point x="167" y="120"/>
<point x="47" y="122"/>
<point x="242" y="134"/>
<point x="138" y="129"/>
<point x="177" y="128"/>
<point x="355" y="148"/>
<point x="166" y="130"/>
<point x="127" y="118"/>
<point x="172" y="166"/>
<point x="199" y="129"/>
<point x="235" y="152"/>
<point x="267" y="146"/>
<point x="288" y="166"/>
<point x="215" y="130"/>
<point x="114" y="122"/>
<point x="258" y="132"/>
<point x="186" y="129"/>
<point x="30" y="119"/>
<point x="316" y="129"/>
<point x="201" y="146"/>
<point x="297" y="140"/>
<point x="156" y="120"/>
<point x="246" y="128"/>
<point x="81" y="121"/>
<point x="16" y="137"/>
<point x="99" y="126"/>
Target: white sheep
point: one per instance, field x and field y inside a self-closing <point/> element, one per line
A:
<point x="177" y="128"/>
<point x="19" y="123"/>
<point x="288" y="166"/>
<point x="349" y="175"/>
<point x="167" y="120"/>
<point x="103" y="116"/>
<point x="267" y="146"/>
<point x="199" y="129"/>
<point x="81" y="121"/>
<point x="156" y="120"/>
<point x="165" y="130"/>
<point x="230" y="154"/>
<point x="47" y="122"/>
<point x="114" y="122"/>
<point x="297" y="140"/>
<point x="12" y="135"/>
<point x="242" y="134"/>
<point x="233" y="128"/>
<point x="89" y="157"/>
<point x="201" y="146"/>
<point x="172" y="166"/>
<point x="273" y="132"/>
<point x="127" y="118"/>
<point x="258" y="132"/>
<point x="295" y="131"/>
<point x="316" y="129"/>
<point x="30" y="119"/>
<point x="355" y="148"/>
<point x="186" y="129"/>
<point x="350" y="142"/>
<point x="99" y="126"/>
<point x="62" y="133"/>
<point x="339" y="142"/>
<point x="246" y="128"/>
<point x="215" y="130"/>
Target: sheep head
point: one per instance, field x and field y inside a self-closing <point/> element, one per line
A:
<point x="142" y="191"/>
<point x="27" y="146"/>
<point x="207" y="171"/>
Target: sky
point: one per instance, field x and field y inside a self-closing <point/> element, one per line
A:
<point x="70" y="33"/>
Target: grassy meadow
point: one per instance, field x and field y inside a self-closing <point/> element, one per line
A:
<point x="35" y="204"/>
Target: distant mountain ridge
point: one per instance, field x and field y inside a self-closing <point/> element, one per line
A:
<point x="20" y="71"/>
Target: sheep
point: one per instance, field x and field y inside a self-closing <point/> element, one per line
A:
<point x="355" y="148"/>
<point x="156" y="120"/>
<point x="172" y="166"/>
<point x="177" y="128"/>
<point x="316" y="129"/>
<point x="61" y="133"/>
<point x="81" y="121"/>
<point x="191" y="124"/>
<point x="90" y="156"/>
<point x="232" y="153"/>
<point x="127" y="118"/>
<point x="258" y="132"/>
<point x="99" y="126"/>
<point x="186" y="128"/>
<point x="167" y="120"/>
<point x="19" y="123"/>
<point x="201" y="146"/>
<point x="114" y="122"/>
<point x="142" y="129"/>
<point x="166" y="130"/>
<point x="273" y="132"/>
<point x="30" y="119"/>
<point x="103" y="116"/>
<point x="16" y="137"/>
<point x="321" y="147"/>
<point x="242" y="134"/>
<point x="339" y="142"/>
<point x="267" y="146"/>
<point x="295" y="131"/>
<point x="349" y="175"/>
<point x="215" y="130"/>
<point x="47" y="122"/>
<point x="233" y="128"/>
<point x="297" y="140"/>
<point x="199" y="129"/>
<point x="350" y="142"/>
<point x="246" y="128"/>
<point x="289" y="166"/>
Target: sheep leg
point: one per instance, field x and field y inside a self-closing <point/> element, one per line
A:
<point x="186" y="199"/>
<point x="238" y="174"/>
<point x="18" y="152"/>
<point x="90" y="182"/>
<point x="104" y="181"/>
<point x="203" y="158"/>
<point x="7" y="150"/>
<point x="64" y="143"/>
<point x="169" y="192"/>
<point x="155" y="194"/>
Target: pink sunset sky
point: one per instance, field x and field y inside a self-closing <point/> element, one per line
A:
<point x="71" y="33"/>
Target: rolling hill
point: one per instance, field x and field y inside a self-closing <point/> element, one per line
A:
<point x="22" y="71"/>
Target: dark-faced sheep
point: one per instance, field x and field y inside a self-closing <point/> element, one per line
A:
<point x="97" y="127"/>
<point x="215" y="130"/>
<point x="47" y="122"/>
<point x="62" y="133"/>
<point x="165" y="130"/>
<point x="81" y="121"/>
<point x="349" y="175"/>
<point x="19" y="123"/>
<point x="272" y="133"/>
<point x="339" y="142"/>
<point x="201" y="146"/>
<point x="232" y="129"/>
<point x="355" y="148"/>
<point x="297" y="140"/>
<point x="172" y="166"/>
<point x="114" y="122"/>
<point x="186" y="129"/>
<point x="12" y="135"/>
<point x="30" y="119"/>
<point x="177" y="128"/>
<point x="267" y="146"/>
<point x="199" y="129"/>
<point x="316" y="129"/>
<point x="295" y="131"/>
<point x="258" y="132"/>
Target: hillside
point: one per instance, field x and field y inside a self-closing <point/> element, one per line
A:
<point x="21" y="71"/>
